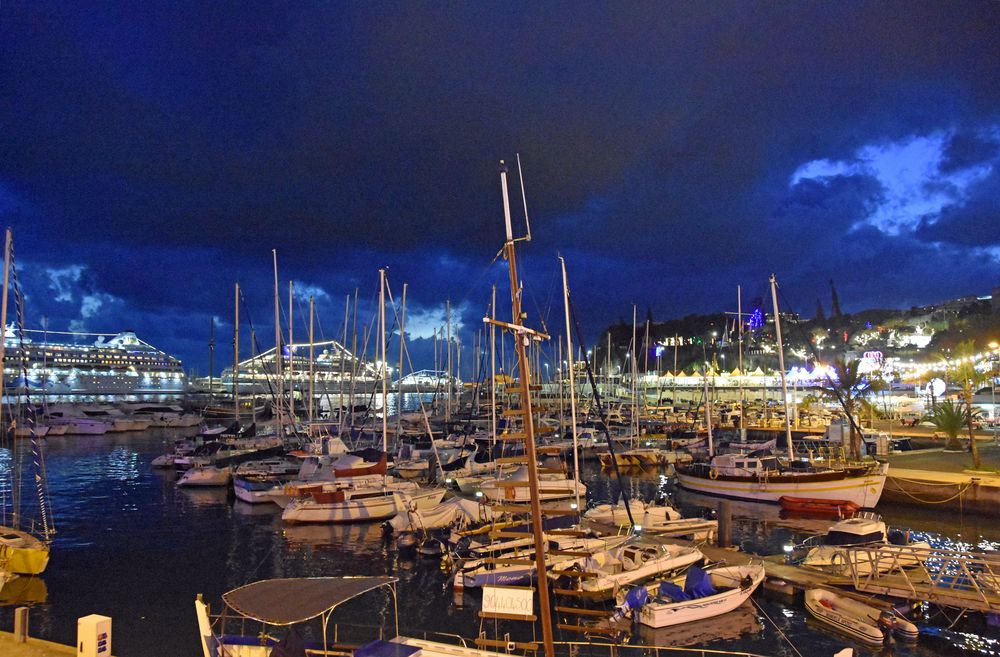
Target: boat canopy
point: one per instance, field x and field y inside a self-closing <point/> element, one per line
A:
<point x="297" y="599"/>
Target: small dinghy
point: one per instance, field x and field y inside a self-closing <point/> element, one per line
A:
<point x="706" y="594"/>
<point x="867" y="624"/>
<point x="815" y="507"/>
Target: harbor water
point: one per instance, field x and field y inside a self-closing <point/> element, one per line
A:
<point x="133" y="546"/>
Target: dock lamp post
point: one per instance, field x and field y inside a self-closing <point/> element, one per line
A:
<point x="993" y="385"/>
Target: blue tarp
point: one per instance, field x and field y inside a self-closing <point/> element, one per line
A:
<point x="385" y="649"/>
<point x="698" y="584"/>
<point x="672" y="592"/>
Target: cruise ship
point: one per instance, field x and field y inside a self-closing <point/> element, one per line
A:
<point x="113" y="364"/>
<point x="335" y="369"/>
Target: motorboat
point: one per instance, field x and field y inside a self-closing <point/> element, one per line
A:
<point x="632" y="563"/>
<point x="857" y="620"/>
<point x="206" y="476"/>
<point x="652" y="519"/>
<point x="705" y="594"/>
<point x="75" y="421"/>
<point x="345" y="505"/>
<point x="830" y="552"/>
<point x="551" y="486"/>
<point x="289" y="604"/>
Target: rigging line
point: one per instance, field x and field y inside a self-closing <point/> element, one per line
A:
<point x="600" y="412"/>
<point x="37" y="449"/>
<point x="258" y="357"/>
<point x="777" y="629"/>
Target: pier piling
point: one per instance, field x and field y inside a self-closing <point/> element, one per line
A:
<point x="725" y="513"/>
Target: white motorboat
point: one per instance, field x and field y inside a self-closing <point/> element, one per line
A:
<point x="75" y="422"/>
<point x="633" y="563"/>
<point x="254" y="490"/>
<point x="476" y="567"/>
<point x="164" y="415"/>
<point x="345" y="505"/>
<point x="652" y="519"/>
<point x="728" y="587"/>
<point x="551" y="486"/>
<point x="856" y="619"/>
<point x="864" y="529"/>
<point x="206" y="476"/>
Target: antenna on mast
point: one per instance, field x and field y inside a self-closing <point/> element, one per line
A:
<point x="524" y="199"/>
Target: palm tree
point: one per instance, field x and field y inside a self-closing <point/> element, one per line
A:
<point x="949" y="418"/>
<point x="849" y="386"/>
<point x="964" y="372"/>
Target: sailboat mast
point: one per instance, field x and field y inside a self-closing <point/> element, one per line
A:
<point x="708" y="414"/>
<point x="743" y="396"/>
<point x="343" y="366"/>
<point x="572" y="384"/>
<point x="291" y="358"/>
<point x="521" y="338"/>
<point x="399" y="386"/>
<point x="447" y="407"/>
<point x="781" y="366"/>
<point x="382" y="362"/>
<point x="312" y="357"/>
<point x="279" y="386"/>
<point x="3" y="313"/>
<point x="236" y="354"/>
<point x="493" y="374"/>
<point x="211" y="355"/>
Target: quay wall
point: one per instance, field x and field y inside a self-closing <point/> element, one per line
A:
<point x="963" y="492"/>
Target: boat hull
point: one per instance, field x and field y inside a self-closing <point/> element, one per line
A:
<point x="863" y="490"/>
<point x="349" y="511"/>
<point x="28" y="555"/>
<point x="659" y="615"/>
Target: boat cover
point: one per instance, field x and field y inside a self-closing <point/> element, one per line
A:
<point x="295" y="600"/>
<point x="698" y="584"/>
<point x="380" y="648"/>
<point x="672" y="592"/>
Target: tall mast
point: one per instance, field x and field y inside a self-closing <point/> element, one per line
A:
<point x="781" y="366"/>
<point x="291" y="358"/>
<point x="343" y="365"/>
<point x="399" y="386"/>
<point x="522" y="336"/>
<point x="279" y="385"/>
<point x="354" y="366"/>
<point x="743" y="396"/>
<point x="312" y="358"/>
<point x="236" y="355"/>
<point x="211" y="355"/>
<point x="572" y="384"/>
<point x="382" y="365"/>
<point x="708" y="414"/>
<point x="447" y="408"/>
<point x="493" y="373"/>
<point x="3" y="312"/>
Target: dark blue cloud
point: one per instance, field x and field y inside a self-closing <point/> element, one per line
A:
<point x="166" y="148"/>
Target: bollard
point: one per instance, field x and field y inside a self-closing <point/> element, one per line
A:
<point x="725" y="513"/>
<point x="21" y="625"/>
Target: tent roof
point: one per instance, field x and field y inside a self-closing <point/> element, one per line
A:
<point x="295" y="600"/>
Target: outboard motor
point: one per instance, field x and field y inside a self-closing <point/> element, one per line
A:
<point x="634" y="600"/>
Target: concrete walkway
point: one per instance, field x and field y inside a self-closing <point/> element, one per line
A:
<point x="937" y="460"/>
<point x="33" y="648"/>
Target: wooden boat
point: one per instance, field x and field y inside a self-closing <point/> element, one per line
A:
<point x="26" y="554"/>
<point x="729" y="587"/>
<point x="856" y="619"/>
<point x="813" y="506"/>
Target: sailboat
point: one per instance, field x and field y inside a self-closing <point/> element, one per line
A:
<point x="26" y="547"/>
<point x="766" y="478"/>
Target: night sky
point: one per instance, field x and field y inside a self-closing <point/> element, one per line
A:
<point x="155" y="153"/>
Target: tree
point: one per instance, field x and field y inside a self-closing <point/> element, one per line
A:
<point x="849" y="386"/>
<point x="949" y="418"/>
<point x="963" y="372"/>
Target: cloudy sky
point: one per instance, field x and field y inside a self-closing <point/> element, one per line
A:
<point x="155" y="153"/>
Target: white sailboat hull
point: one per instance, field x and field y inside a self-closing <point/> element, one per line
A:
<point x="367" y="509"/>
<point x="864" y="490"/>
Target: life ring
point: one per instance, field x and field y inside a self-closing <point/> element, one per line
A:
<point x="713" y="474"/>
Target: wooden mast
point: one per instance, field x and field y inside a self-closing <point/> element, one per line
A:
<point x="522" y="336"/>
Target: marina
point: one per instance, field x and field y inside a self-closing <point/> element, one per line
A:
<point x="500" y="330"/>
